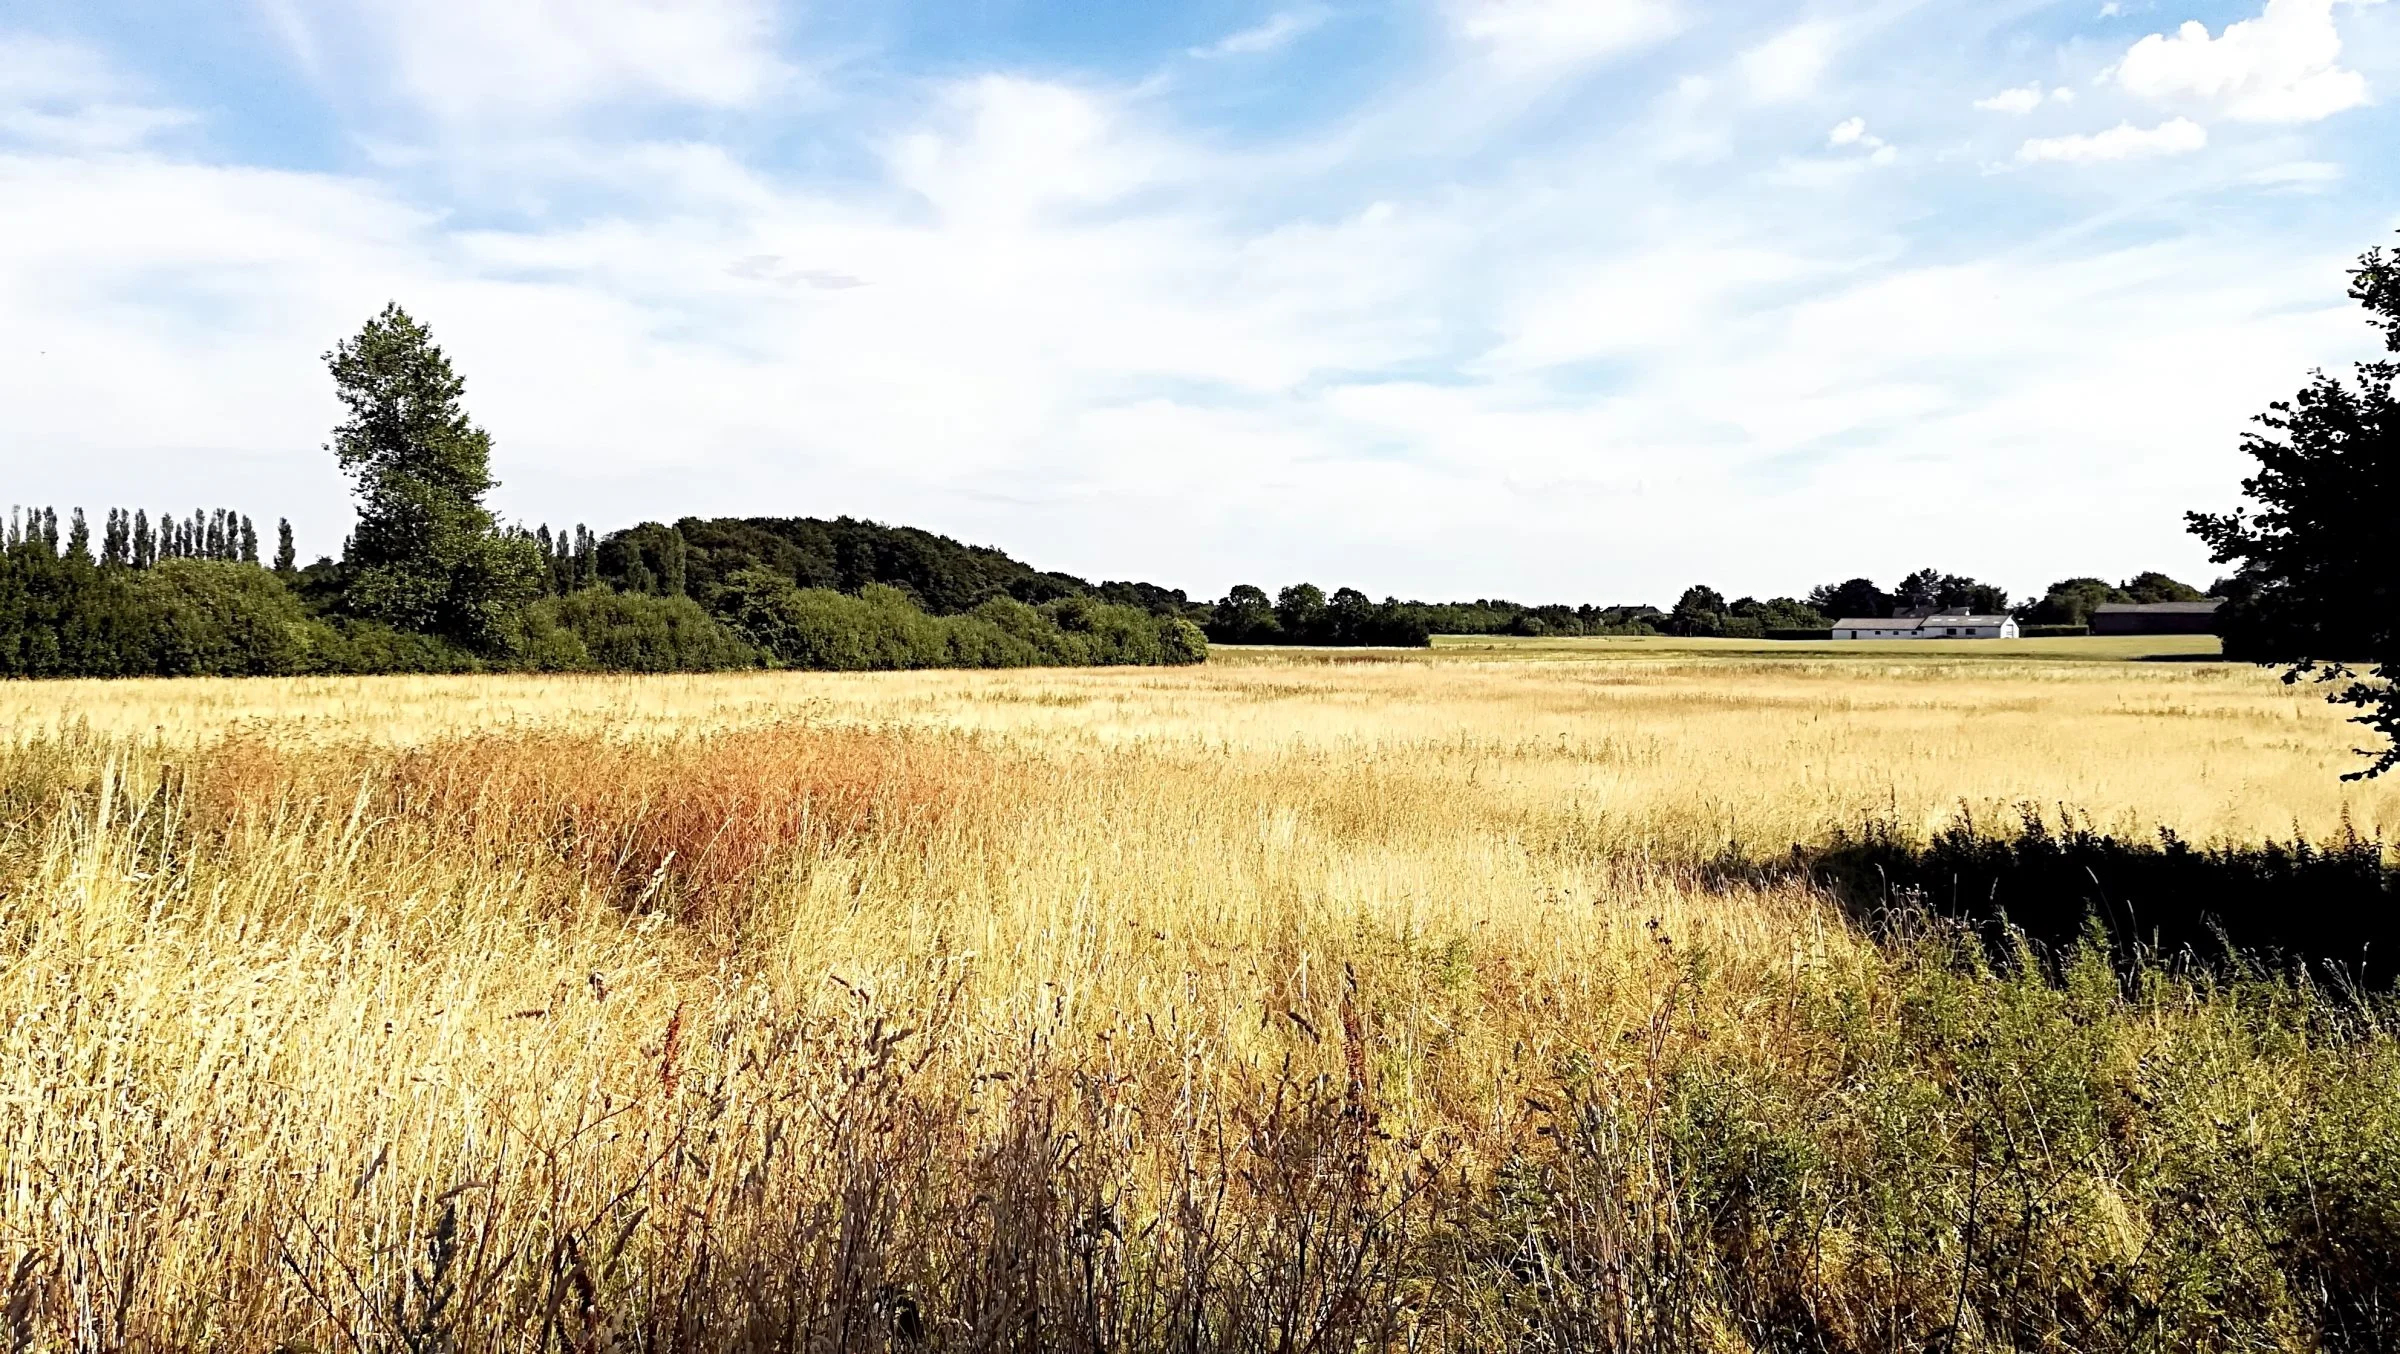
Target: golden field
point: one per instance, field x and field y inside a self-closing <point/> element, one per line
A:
<point x="1300" y="1000"/>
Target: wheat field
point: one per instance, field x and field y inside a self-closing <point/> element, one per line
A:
<point x="1298" y="1001"/>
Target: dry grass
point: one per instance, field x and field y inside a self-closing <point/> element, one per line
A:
<point x="1280" y="1004"/>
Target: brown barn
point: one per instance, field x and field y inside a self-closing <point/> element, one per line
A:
<point x="2155" y="618"/>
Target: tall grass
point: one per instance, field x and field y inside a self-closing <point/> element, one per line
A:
<point x="1015" y="1019"/>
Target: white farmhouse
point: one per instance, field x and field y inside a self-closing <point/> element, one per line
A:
<point x="1955" y="623"/>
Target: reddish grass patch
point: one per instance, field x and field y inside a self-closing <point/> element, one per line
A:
<point x="690" y="821"/>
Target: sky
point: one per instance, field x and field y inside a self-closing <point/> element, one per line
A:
<point x="1556" y="300"/>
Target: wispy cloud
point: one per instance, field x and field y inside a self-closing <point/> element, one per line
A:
<point x="1563" y="32"/>
<point x="473" y="64"/>
<point x="1279" y="31"/>
<point x="68" y="95"/>
<point x="1789" y="65"/>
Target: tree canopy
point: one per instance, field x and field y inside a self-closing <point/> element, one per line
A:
<point x="426" y="554"/>
<point x="2317" y="580"/>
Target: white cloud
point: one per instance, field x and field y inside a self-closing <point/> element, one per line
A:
<point x="1789" y="65"/>
<point x="2121" y="142"/>
<point x="1850" y="132"/>
<point x="1278" y="31"/>
<point x="2024" y="99"/>
<point x="1562" y="32"/>
<point x="2279" y="67"/>
<point x="472" y="62"/>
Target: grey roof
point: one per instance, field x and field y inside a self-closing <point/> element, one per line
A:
<point x="2159" y="608"/>
<point x="1913" y="622"/>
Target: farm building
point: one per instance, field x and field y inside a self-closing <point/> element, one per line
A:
<point x="1954" y="623"/>
<point x="2155" y="618"/>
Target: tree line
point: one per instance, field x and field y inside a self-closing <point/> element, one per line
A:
<point x="430" y="581"/>
<point x="1304" y="614"/>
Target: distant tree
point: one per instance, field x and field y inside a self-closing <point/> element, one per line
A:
<point x="2157" y="587"/>
<point x="1300" y="612"/>
<point x="2071" y="601"/>
<point x="1350" y="616"/>
<point x="79" y="539"/>
<point x="1857" y="599"/>
<point x="2320" y="578"/>
<point x="145" y="542"/>
<point x="1244" y="617"/>
<point x="249" y="541"/>
<point x="426" y="555"/>
<point x="1781" y="613"/>
<point x="286" y="558"/>
<point x="1700" y="611"/>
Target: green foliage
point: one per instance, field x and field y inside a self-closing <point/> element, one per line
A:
<point x="2320" y="581"/>
<point x="426" y="555"/>
<point x="881" y="628"/>
<point x="213" y="619"/>
<point x="2153" y="586"/>
<point x="2071" y="601"/>
<point x="842" y="554"/>
<point x="629" y="632"/>
<point x="1929" y="1153"/>
<point x="1857" y="599"/>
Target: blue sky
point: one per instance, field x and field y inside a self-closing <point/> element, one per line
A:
<point x="1551" y="299"/>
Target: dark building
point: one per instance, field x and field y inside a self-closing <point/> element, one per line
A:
<point x="2155" y="618"/>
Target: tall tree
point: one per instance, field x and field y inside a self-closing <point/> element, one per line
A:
<point x="2319" y="579"/>
<point x="426" y="554"/>
<point x="287" y="560"/>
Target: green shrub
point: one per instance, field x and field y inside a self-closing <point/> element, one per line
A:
<point x="361" y="648"/>
<point x="208" y="618"/>
<point x="629" y="632"/>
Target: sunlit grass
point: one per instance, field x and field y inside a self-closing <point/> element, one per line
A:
<point x="1276" y="1004"/>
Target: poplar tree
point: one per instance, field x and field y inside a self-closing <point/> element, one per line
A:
<point x="286" y="559"/>
<point x="426" y="554"/>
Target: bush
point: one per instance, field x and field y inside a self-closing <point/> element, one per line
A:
<point x="1800" y="634"/>
<point x="363" y="648"/>
<point x="2051" y="631"/>
<point x="629" y="632"/>
<point x="207" y="618"/>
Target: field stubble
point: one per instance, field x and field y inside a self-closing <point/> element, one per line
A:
<point x="1277" y="1005"/>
